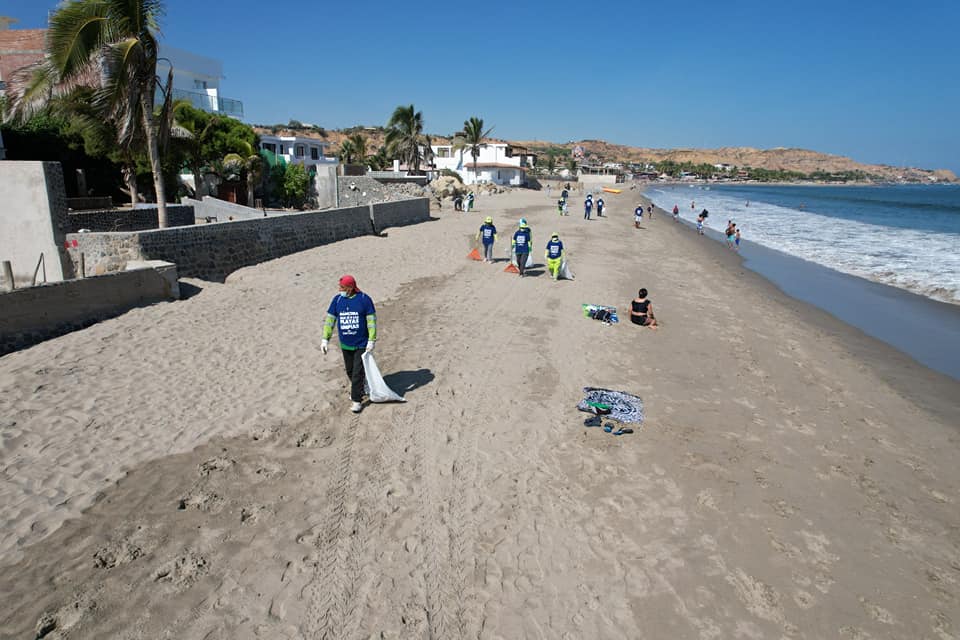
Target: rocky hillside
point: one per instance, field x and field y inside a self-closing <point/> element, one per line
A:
<point x="802" y="160"/>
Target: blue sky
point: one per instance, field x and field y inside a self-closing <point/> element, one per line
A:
<point x="876" y="81"/>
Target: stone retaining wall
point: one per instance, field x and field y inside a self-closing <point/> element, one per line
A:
<point x="89" y="202"/>
<point x="213" y="251"/>
<point x="29" y="316"/>
<point x="138" y="219"/>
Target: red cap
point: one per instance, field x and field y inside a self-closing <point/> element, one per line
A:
<point x="348" y="281"/>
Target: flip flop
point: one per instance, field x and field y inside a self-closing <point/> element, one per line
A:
<point x="592" y="422"/>
<point x="623" y="431"/>
<point x="608" y="427"/>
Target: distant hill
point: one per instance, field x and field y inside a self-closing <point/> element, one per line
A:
<point x="801" y="160"/>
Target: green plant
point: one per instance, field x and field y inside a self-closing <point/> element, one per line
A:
<point x="451" y="173"/>
<point x="473" y="135"/>
<point x="404" y="135"/>
<point x="111" y="46"/>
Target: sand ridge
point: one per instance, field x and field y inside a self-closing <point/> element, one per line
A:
<point x="191" y="469"/>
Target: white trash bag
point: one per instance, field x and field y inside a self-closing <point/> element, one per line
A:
<point x="376" y="388"/>
<point x="513" y="259"/>
<point x="565" y="272"/>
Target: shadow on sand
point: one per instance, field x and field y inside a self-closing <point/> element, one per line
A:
<point x="405" y="381"/>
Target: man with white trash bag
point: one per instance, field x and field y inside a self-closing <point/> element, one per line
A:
<point x="356" y="318"/>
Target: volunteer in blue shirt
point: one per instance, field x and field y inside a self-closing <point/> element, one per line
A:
<point x="522" y="240"/>
<point x="587" y="207"/>
<point x="599" y="207"/>
<point x="554" y="255"/>
<point x="356" y="319"/>
<point x="487" y="236"/>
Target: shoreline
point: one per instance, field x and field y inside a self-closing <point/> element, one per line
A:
<point x="793" y="476"/>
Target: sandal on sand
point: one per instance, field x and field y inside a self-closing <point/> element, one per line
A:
<point x="608" y="427"/>
<point x="592" y="422"/>
<point x="623" y="431"/>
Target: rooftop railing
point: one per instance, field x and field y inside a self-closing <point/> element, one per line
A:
<point x="227" y="106"/>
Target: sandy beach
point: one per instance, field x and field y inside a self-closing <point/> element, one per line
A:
<point x="192" y="470"/>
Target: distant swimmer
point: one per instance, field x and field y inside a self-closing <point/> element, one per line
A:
<point x="693" y="204"/>
<point x="748" y="203"/>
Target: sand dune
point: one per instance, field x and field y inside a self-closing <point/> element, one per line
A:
<point x="191" y="469"/>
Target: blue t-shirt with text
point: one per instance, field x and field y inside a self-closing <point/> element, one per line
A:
<point x="554" y="249"/>
<point x="351" y="314"/>
<point x="487" y="231"/>
<point x="521" y="240"/>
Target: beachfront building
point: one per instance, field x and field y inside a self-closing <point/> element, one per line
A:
<point x="498" y="162"/>
<point x="196" y="79"/>
<point x="296" y="149"/>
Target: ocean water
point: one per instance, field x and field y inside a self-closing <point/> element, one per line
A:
<point x="907" y="236"/>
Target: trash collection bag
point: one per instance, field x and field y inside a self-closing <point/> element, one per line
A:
<point x="377" y="389"/>
<point x="565" y="272"/>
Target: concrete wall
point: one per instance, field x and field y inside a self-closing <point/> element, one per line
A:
<point x="223" y="211"/>
<point x="325" y="184"/>
<point x="33" y="219"/>
<point x="29" y="316"/>
<point x="590" y="180"/>
<point x="138" y="219"/>
<point x="399" y="213"/>
<point x="213" y="251"/>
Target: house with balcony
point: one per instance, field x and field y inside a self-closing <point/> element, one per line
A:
<point x="296" y="149"/>
<point x="196" y="79"/>
<point x="499" y="162"/>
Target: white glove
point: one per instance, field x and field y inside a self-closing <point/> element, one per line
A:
<point x="324" y="345"/>
<point x="370" y="344"/>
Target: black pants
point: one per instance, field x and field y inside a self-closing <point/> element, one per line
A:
<point x="353" y="363"/>
<point x="522" y="262"/>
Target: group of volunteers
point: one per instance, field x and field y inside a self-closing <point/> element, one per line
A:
<point x="354" y="314"/>
<point x="521" y="246"/>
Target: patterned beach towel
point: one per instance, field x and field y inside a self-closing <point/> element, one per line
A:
<point x="624" y="406"/>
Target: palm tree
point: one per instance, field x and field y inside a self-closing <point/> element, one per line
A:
<point x="473" y="135"/>
<point x="347" y="151"/>
<point x="551" y="163"/>
<point x="359" y="144"/>
<point x="404" y="131"/>
<point x="111" y="46"/>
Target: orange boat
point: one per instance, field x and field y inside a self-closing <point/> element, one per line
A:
<point x="609" y="190"/>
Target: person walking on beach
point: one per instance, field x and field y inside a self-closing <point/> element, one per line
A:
<point x="560" y="205"/>
<point x="736" y="241"/>
<point x="554" y="255"/>
<point x="587" y="207"/>
<point x="522" y="241"/>
<point x="487" y="235"/>
<point x="700" y="218"/>
<point x="650" y="211"/>
<point x="637" y="216"/>
<point x="470" y="198"/>
<point x="356" y="319"/>
<point x="600" y="207"/>
<point x="641" y="311"/>
<point x="565" y="193"/>
<point x="548" y="190"/>
<point x="676" y="213"/>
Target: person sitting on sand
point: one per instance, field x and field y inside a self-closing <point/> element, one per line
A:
<point x="554" y="255"/>
<point x="641" y="311"/>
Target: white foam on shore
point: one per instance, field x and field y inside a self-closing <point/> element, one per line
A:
<point x="923" y="262"/>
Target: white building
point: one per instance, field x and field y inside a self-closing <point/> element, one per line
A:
<point x="297" y="149"/>
<point x="196" y="79"/>
<point x="498" y="162"/>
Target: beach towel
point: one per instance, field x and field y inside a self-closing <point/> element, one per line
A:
<point x="376" y="388"/>
<point x="624" y="407"/>
<point x="593" y="310"/>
